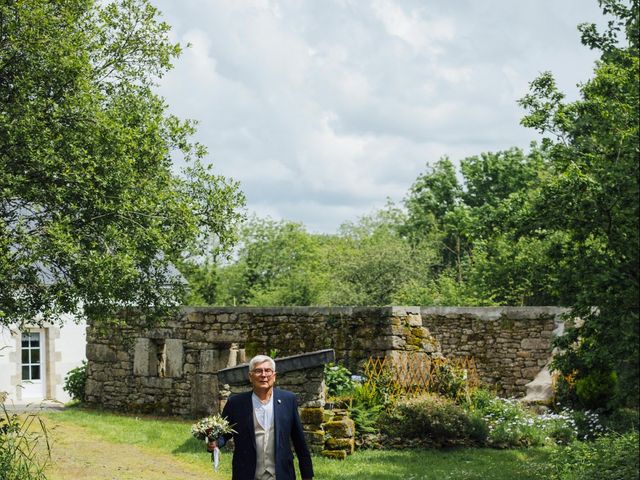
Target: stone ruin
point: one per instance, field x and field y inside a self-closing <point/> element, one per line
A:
<point x="174" y="368"/>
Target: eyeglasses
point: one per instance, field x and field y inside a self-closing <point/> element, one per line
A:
<point x="263" y="371"/>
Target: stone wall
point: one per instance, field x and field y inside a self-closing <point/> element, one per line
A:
<point x="172" y="369"/>
<point x="510" y="345"/>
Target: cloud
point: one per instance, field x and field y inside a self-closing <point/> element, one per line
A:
<point x="322" y="110"/>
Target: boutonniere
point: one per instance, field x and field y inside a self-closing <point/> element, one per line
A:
<point x="279" y="401"/>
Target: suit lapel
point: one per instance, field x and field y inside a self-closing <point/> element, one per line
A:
<point x="248" y="407"/>
<point x="277" y="405"/>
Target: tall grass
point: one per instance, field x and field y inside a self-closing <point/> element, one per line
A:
<point x="20" y="439"/>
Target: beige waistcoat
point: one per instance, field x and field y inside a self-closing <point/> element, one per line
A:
<point x="266" y="450"/>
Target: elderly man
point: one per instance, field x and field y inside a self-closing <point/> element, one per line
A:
<point x="266" y="422"/>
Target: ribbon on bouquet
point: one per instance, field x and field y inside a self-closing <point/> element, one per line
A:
<point x="215" y="458"/>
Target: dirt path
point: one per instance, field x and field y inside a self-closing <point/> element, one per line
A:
<point x="79" y="455"/>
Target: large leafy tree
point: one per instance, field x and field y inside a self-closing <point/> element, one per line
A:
<point x="591" y="197"/>
<point x="280" y="264"/>
<point x="371" y="264"/>
<point x="92" y="215"/>
<point x="472" y="217"/>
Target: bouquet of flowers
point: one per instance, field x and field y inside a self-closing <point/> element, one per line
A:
<point x="209" y="429"/>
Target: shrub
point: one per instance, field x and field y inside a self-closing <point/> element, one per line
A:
<point x="512" y="424"/>
<point x="450" y="381"/>
<point x="622" y="420"/>
<point x="75" y="381"/>
<point x="597" y="390"/>
<point x="612" y="457"/>
<point x="18" y="447"/>
<point x="435" y="420"/>
<point x="337" y="378"/>
<point x="588" y="424"/>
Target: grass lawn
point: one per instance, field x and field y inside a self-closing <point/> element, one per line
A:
<point x="96" y="445"/>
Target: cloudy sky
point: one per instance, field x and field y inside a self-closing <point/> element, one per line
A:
<point x="323" y="109"/>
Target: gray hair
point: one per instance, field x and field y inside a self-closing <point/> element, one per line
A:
<point x="261" y="359"/>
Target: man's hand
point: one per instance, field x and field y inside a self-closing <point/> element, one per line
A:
<point x="211" y="445"/>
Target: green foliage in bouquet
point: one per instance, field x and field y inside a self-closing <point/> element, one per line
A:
<point x="212" y="427"/>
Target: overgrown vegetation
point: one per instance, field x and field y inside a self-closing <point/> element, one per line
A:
<point x="613" y="456"/>
<point x="75" y="381"/>
<point x="390" y="415"/>
<point x="21" y="455"/>
<point x="435" y="420"/>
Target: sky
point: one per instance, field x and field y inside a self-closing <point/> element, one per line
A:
<point x="324" y="109"/>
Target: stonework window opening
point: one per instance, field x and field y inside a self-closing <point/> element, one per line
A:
<point x="160" y="359"/>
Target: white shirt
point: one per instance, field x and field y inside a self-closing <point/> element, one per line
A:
<point x="263" y="411"/>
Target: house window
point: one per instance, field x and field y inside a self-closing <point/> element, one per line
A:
<point x="30" y="351"/>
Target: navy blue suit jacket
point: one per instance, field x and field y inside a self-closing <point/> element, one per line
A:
<point x="288" y="429"/>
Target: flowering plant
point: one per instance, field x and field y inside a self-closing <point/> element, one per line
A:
<point x="211" y="427"/>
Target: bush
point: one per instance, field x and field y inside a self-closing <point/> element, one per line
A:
<point x="588" y="424"/>
<point x="450" y="381"/>
<point x="435" y="420"/>
<point x="512" y="424"/>
<point x="337" y="378"/>
<point x="612" y="457"/>
<point x="75" y="381"/>
<point x="18" y="442"/>
<point x="622" y="420"/>
<point x="598" y="390"/>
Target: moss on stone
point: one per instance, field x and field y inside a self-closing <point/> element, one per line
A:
<point x="312" y="416"/>
<point x="252" y="348"/>
<point x="337" y="454"/>
<point x="315" y="437"/>
<point x="344" y="428"/>
<point x="346" y="444"/>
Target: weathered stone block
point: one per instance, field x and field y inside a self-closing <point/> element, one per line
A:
<point x="142" y="356"/>
<point x="101" y="353"/>
<point x="312" y="416"/>
<point x="346" y="444"/>
<point x="535" y="344"/>
<point x="343" y="428"/>
<point x="314" y="437"/>
<point x="174" y="358"/>
<point x="336" y="454"/>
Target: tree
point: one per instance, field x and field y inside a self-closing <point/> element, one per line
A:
<point x="436" y="214"/>
<point x="92" y="217"/>
<point x="591" y="197"/>
<point x="370" y="263"/>
<point x="276" y="263"/>
<point x="475" y="225"/>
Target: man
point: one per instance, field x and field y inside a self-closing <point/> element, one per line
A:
<point x="266" y="422"/>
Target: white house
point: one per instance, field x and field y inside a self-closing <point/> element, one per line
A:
<point x="34" y="363"/>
